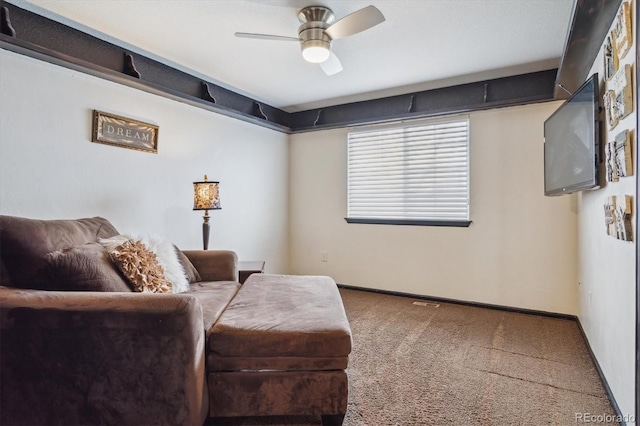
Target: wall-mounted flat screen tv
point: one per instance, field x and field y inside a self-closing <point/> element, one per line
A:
<point x="572" y="142"/>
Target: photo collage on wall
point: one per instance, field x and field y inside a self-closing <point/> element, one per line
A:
<point x="618" y="104"/>
<point x="617" y="215"/>
<point x="618" y="157"/>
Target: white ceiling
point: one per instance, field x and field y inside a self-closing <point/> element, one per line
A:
<point x="422" y="45"/>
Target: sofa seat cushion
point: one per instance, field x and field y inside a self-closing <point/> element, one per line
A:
<point x="283" y="316"/>
<point x="214" y="296"/>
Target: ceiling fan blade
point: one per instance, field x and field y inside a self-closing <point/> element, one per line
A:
<point x="359" y="20"/>
<point x="266" y="37"/>
<point x="332" y="65"/>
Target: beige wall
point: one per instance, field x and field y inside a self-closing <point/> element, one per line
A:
<point x="50" y="169"/>
<point x="519" y="251"/>
<point x="606" y="272"/>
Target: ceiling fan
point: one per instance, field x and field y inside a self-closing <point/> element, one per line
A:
<point x="318" y="29"/>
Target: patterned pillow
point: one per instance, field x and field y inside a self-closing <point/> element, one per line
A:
<point x="166" y="256"/>
<point x="140" y="266"/>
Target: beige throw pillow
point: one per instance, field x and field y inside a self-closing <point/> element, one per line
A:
<point x="165" y="252"/>
<point x="140" y="266"/>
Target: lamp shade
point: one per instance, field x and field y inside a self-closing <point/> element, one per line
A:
<point x="206" y="195"/>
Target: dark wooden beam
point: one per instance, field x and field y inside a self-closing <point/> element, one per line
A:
<point x="51" y="41"/>
<point x="501" y="92"/>
<point x="590" y="22"/>
<point x="59" y="44"/>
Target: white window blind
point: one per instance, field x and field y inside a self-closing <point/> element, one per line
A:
<point x="413" y="173"/>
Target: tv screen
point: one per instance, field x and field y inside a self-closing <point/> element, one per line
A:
<point x="572" y="142"/>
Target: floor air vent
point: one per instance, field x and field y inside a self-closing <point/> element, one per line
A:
<point x="427" y="304"/>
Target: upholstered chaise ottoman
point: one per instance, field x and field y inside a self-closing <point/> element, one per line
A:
<point x="280" y="348"/>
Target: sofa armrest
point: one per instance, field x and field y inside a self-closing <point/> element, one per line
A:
<point x="101" y="358"/>
<point x="214" y="265"/>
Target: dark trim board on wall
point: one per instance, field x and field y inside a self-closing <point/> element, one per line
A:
<point x="48" y="40"/>
<point x="461" y="302"/>
<point x="603" y="379"/>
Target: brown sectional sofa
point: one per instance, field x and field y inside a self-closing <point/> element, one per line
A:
<point x="71" y="354"/>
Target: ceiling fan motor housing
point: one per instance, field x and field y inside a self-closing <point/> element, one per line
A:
<point x="315" y="20"/>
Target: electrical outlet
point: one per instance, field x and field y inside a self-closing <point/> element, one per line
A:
<point x="324" y="256"/>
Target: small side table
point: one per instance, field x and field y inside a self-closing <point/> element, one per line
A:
<point x="248" y="267"/>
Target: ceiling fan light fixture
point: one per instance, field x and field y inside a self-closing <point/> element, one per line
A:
<point x="316" y="51"/>
<point x="318" y="28"/>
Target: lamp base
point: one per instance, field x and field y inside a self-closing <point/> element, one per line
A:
<point x="205" y="230"/>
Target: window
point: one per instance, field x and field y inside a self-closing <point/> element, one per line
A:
<point x="412" y="175"/>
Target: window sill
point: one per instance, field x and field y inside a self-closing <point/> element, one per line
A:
<point x="449" y="223"/>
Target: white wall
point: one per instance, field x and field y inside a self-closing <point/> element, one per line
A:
<point x="606" y="272"/>
<point x="519" y="251"/>
<point x="49" y="168"/>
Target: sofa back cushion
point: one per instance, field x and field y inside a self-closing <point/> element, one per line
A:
<point x="25" y="244"/>
<point x="83" y="268"/>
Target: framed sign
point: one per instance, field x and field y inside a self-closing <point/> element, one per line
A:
<point x="124" y="132"/>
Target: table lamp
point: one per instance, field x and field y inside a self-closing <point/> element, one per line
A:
<point x="206" y="196"/>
